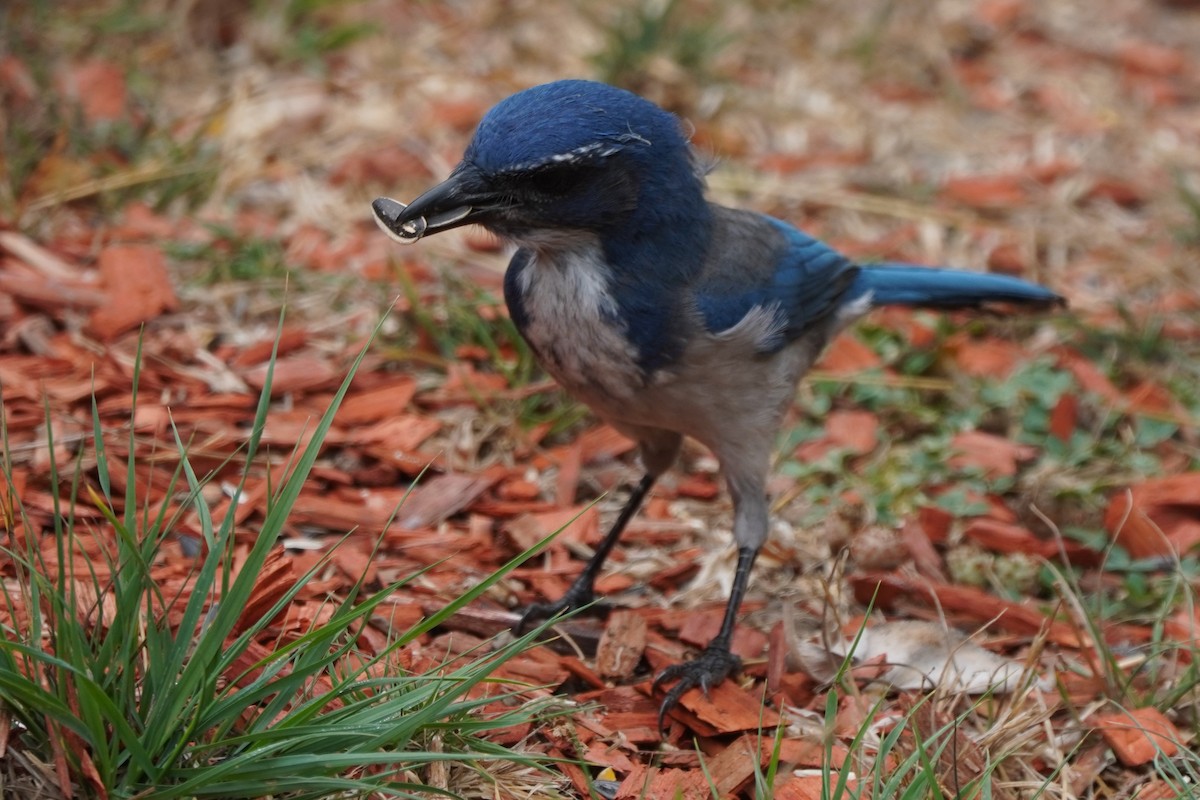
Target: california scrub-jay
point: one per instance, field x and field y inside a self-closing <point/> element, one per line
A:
<point x="669" y="315"/>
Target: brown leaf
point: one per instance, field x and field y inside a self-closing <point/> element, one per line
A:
<point x="603" y="442"/>
<point x="812" y="787"/>
<point x="925" y="556"/>
<point x="141" y="223"/>
<point x="1089" y="376"/>
<point x="1158" y="789"/>
<point x="1064" y="416"/>
<point x="16" y="80"/>
<point x="5" y="725"/>
<point x="519" y="489"/>
<point x="973" y="604"/>
<point x="1138" y="736"/>
<point x="57" y="171"/>
<point x="1008" y="258"/>
<point x="1133" y="529"/>
<point x="98" y="87"/>
<point x="847" y="355"/>
<point x="1151" y="59"/>
<point x="464" y="383"/>
<point x="1149" y="397"/>
<point x="386" y="165"/>
<point x="726" y="772"/>
<point x="995" y="455"/>
<point x="988" y="192"/>
<point x="856" y="430"/>
<point x="566" y="483"/>
<point x="697" y="487"/>
<point x="49" y="294"/>
<point x="935" y="522"/>
<point x="461" y="115"/>
<point x="1118" y="191"/>
<point x="577" y="524"/>
<point x="61" y="768"/>
<point x="1000" y="13"/>
<point x="1158" y="517"/>
<point x="139" y="289"/>
<point x="985" y="358"/>
<point x="1005" y="537"/>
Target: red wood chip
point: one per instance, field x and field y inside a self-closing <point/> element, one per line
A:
<point x="1138" y="736"/>
<point x="621" y="645"/>
<point x="139" y="289"/>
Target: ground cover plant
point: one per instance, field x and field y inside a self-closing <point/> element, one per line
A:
<point x="998" y="515"/>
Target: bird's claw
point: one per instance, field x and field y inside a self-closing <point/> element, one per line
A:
<point x="575" y="597"/>
<point x="706" y="670"/>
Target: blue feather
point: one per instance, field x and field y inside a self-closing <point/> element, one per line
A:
<point x="926" y="287"/>
<point x="803" y="278"/>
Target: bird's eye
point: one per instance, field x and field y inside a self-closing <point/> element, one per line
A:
<point x="557" y="180"/>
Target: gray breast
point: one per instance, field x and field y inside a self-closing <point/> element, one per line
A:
<point x="574" y="328"/>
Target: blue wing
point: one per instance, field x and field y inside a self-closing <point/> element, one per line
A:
<point x="755" y="260"/>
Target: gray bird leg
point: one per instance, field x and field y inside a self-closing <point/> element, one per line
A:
<point x="717" y="661"/>
<point x="583" y="590"/>
<point x="745" y="473"/>
<point x="658" y="450"/>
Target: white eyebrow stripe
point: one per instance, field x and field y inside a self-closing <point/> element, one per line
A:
<point x="593" y="149"/>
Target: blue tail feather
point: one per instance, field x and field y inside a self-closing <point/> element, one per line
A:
<point x="926" y="287"/>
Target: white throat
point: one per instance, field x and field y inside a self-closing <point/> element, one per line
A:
<point x="574" y="325"/>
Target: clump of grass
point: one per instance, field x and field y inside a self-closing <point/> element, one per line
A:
<point x="229" y="256"/>
<point x="112" y="688"/>
<point x="310" y="30"/>
<point x="1189" y="197"/>
<point x="686" y="37"/>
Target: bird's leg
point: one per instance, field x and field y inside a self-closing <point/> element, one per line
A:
<point x="582" y="591"/>
<point x="717" y="661"/>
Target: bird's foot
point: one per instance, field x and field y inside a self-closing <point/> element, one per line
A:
<point x="706" y="670"/>
<point x="577" y="596"/>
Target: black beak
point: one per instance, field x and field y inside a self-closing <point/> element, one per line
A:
<point x="459" y="200"/>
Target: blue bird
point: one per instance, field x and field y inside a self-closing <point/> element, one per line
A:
<point x="668" y="315"/>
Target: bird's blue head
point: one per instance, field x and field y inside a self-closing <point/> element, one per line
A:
<point x="567" y="156"/>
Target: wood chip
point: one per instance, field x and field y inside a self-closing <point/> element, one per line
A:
<point x="138" y="286"/>
<point x="1138" y="736"/>
<point x="622" y="645"/>
<point x="437" y="498"/>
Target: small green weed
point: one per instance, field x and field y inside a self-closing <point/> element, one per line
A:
<point x="1189" y="196"/>
<point x="228" y="256"/>
<point x="312" y="30"/>
<point x="689" y="38"/>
